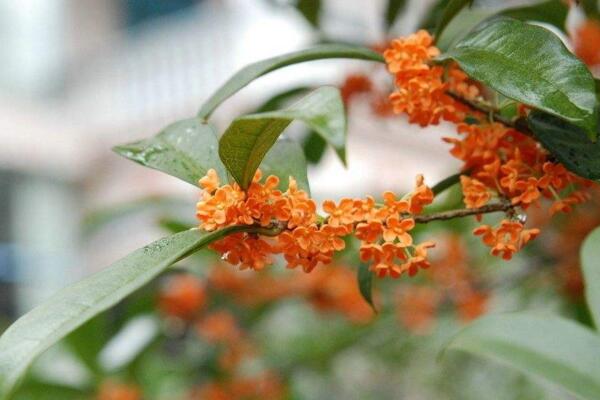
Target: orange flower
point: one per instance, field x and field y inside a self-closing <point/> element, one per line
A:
<point x="343" y="214"/>
<point x="475" y="193"/>
<point x="385" y="260"/>
<point x="395" y="228"/>
<point x="331" y="238"/>
<point x="261" y="193"/>
<point x="365" y="210"/>
<point x="506" y="163"/>
<point x="416" y="308"/>
<point x="410" y="53"/>
<point x="354" y="85"/>
<point x="529" y="191"/>
<point x="419" y="259"/>
<point x="219" y="327"/>
<point x="565" y="205"/>
<point x="218" y="211"/>
<point x="423" y="98"/>
<point x="421" y="92"/>
<point x="421" y="196"/>
<point x="506" y="239"/>
<point x="394" y="206"/>
<point x="303" y="213"/>
<point x="334" y="289"/>
<point x="306" y="239"/>
<point x="369" y="231"/>
<point x="555" y="175"/>
<point x="210" y="182"/>
<point x="264" y="386"/>
<point x="471" y="305"/>
<point x="587" y="42"/>
<point x="370" y="251"/>
<point x="110" y="390"/>
<point x="250" y="289"/>
<point x="246" y="250"/>
<point x="182" y="296"/>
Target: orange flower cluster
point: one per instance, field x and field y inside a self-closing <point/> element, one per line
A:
<point x="303" y="240"/>
<point x="353" y="85"/>
<point x="112" y="390"/>
<point x="564" y="245"/>
<point x="511" y="166"/>
<point x="501" y="162"/>
<point x="507" y="238"/>
<point x="384" y="232"/>
<point x="504" y="161"/>
<point x="334" y="289"/>
<point x="182" y="296"/>
<point x="331" y="289"/>
<point x="451" y="282"/>
<point x="303" y="243"/>
<point x="421" y="91"/>
<point x="264" y="386"/>
<point x="416" y="308"/>
<point x="221" y="328"/>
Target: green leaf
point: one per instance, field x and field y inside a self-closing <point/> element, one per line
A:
<point x="453" y="8"/>
<point x="365" y="283"/>
<point x="173" y="225"/>
<point x="286" y="159"/>
<point x="568" y="143"/>
<point x="314" y="147"/>
<point x="590" y="263"/>
<point x="71" y="307"/>
<point x="432" y="15"/>
<point x="256" y="70"/>
<point x="247" y="140"/>
<point x="394" y="7"/>
<point x="529" y="64"/>
<point x="279" y="100"/>
<point x="185" y="149"/>
<point x="98" y="219"/>
<point x="41" y="390"/>
<point x="461" y="25"/>
<point x="553" y="12"/>
<point x="311" y="10"/>
<point x="553" y="348"/>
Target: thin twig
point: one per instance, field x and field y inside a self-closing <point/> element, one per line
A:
<point x="465" y="212"/>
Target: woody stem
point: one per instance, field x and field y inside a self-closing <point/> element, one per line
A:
<point x="465" y="212"/>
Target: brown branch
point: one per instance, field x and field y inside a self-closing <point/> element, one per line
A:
<point x="465" y="212"/>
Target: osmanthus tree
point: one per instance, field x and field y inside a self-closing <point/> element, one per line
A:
<point x="525" y="110"/>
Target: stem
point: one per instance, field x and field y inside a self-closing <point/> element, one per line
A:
<point x="519" y="124"/>
<point x="465" y="212"/>
<point x="273" y="230"/>
<point x="447" y="182"/>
